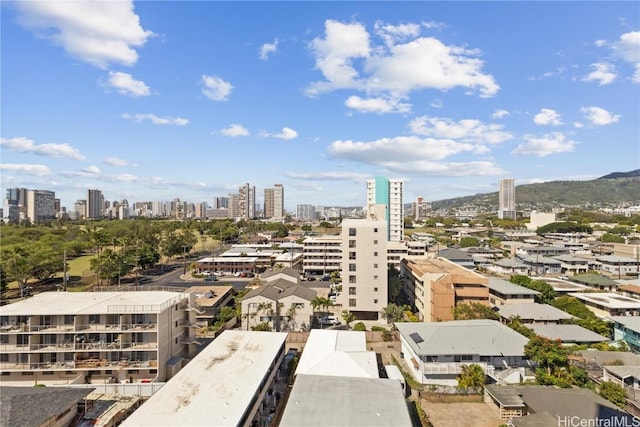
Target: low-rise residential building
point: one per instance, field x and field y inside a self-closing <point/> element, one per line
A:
<point x="96" y="337"/>
<point x="631" y="291"/>
<point x="533" y="313"/>
<point x="618" y="266"/>
<point x="287" y="273"/>
<point x="627" y="329"/>
<point x="228" y="264"/>
<point x="595" y="281"/>
<point x="208" y="302"/>
<point x="457" y="256"/>
<point x="231" y="382"/>
<point x="568" y="334"/>
<point x="572" y="264"/>
<point x="508" y="267"/>
<point x="541" y="265"/>
<point x="502" y="292"/>
<point x="281" y="304"/>
<point x="436" y="286"/>
<point x="435" y="352"/>
<point x="608" y="304"/>
<point x="322" y="255"/>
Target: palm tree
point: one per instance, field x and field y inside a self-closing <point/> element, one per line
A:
<point x="320" y="302"/>
<point x="471" y="376"/>
<point x="348" y="317"/>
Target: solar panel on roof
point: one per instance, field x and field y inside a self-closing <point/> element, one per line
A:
<point x="416" y="337"/>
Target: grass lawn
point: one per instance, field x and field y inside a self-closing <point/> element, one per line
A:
<point x="79" y="265"/>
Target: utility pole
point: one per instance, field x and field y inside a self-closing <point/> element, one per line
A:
<point x="64" y="270"/>
<point x="184" y="257"/>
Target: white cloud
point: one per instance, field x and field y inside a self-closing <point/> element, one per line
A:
<point x="547" y="116"/>
<point x="156" y="120"/>
<point x="93" y="169"/>
<point x="127" y="85"/>
<point x="603" y="73"/>
<point x="286" y="134"/>
<point x="397" y="149"/>
<point x="329" y="176"/>
<point x="499" y="114"/>
<point x="437" y="103"/>
<point x="215" y="88"/>
<point x="235" y="130"/>
<point x="600" y="43"/>
<point x="395" y="69"/>
<point x="578" y="125"/>
<point x="627" y="47"/>
<point x="599" y="116"/>
<point x="37" y="170"/>
<point x="116" y="162"/>
<point x="467" y="130"/>
<point x="26" y="145"/>
<point x="96" y="32"/>
<point x="267" y="49"/>
<point x="377" y="105"/>
<point x="391" y="34"/>
<point x="553" y="143"/>
<point x="420" y="167"/>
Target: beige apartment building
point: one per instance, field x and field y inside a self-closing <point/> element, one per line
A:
<point x="322" y="255"/>
<point x="364" y="268"/>
<point x="437" y="286"/>
<point x="96" y="337"/>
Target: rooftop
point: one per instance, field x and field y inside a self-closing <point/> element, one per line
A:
<point x="321" y="401"/>
<point x="533" y="311"/>
<point x="207" y="296"/>
<point x="608" y="300"/>
<point x="567" y="333"/>
<point x="629" y="322"/>
<point x="483" y="337"/>
<point x="17" y="404"/>
<point x="507" y="288"/>
<point x="337" y="353"/>
<point x="217" y="386"/>
<point x="593" y="279"/>
<point x="56" y="303"/>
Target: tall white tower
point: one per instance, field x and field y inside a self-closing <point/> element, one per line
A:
<point x="507" y="199"/>
<point x="385" y="202"/>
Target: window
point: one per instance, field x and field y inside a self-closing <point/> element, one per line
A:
<point x="375" y="242"/>
<point x="352" y="232"/>
<point x="4" y="339"/>
<point x="375" y="301"/>
<point x="375" y="230"/>
<point x="352" y="302"/>
<point x="352" y="290"/>
<point x="352" y="255"/>
<point x="375" y="265"/>
<point x="4" y="357"/>
<point x="352" y="244"/>
<point x="352" y="267"/>
<point x="94" y="319"/>
<point x="352" y="279"/>
<point x="375" y="254"/>
<point x="375" y="289"/>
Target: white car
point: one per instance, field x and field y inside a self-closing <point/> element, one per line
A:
<point x="330" y="320"/>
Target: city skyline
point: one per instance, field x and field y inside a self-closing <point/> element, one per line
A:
<point x="162" y="100"/>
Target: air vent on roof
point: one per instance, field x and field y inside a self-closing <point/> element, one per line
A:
<point x="416" y="337"/>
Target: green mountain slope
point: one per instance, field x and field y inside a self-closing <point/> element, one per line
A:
<point x="605" y="191"/>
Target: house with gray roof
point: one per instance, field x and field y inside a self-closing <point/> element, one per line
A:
<point x="627" y="329"/>
<point x="283" y="305"/>
<point x="508" y="267"/>
<point x="541" y="265"/>
<point x="287" y="273"/>
<point x="618" y="266"/>
<point x="39" y="406"/>
<point x="435" y="352"/>
<point x="572" y="264"/>
<point x="568" y="334"/>
<point x="459" y="257"/>
<point x="533" y="313"/>
<point x="502" y="292"/>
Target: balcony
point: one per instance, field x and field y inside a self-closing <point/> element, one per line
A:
<point x="117" y="327"/>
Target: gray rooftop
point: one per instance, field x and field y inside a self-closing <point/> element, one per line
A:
<point x="286" y="271"/>
<point x="533" y="311"/>
<point x="624" y="371"/>
<point x="321" y="401"/>
<point x="483" y="337"/>
<point x="629" y="322"/>
<point x="510" y="263"/>
<point x="607" y="358"/>
<point x="18" y="404"/>
<point x="567" y="333"/>
<point x="281" y="288"/>
<point x="507" y="288"/>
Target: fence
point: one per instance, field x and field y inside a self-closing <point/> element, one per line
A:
<point x="137" y="389"/>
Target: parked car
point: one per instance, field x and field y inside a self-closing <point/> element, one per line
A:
<point x="211" y="279"/>
<point x="330" y="320"/>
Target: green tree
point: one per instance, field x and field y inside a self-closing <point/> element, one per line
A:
<point x="359" y="327"/>
<point x="394" y="313"/>
<point x="468" y="242"/>
<point x="394" y="285"/>
<point x="474" y="310"/>
<point x="550" y="354"/>
<point x="348" y="317"/>
<point x="471" y="376"/>
<point x="319" y="302"/>
<point x="612" y="238"/>
<point x="614" y="393"/>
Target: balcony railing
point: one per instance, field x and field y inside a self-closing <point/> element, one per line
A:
<point x="103" y="327"/>
<point x="80" y="364"/>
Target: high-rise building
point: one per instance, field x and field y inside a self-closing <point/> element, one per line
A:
<point x="20" y="197"/>
<point x="507" y="199"/>
<point x="306" y="212"/>
<point x="40" y="205"/>
<point x="384" y="202"/>
<point x="220" y="202"/>
<point x="364" y="267"/>
<point x="247" y="201"/>
<point x="95" y="204"/>
<point x="274" y="202"/>
<point x="234" y="206"/>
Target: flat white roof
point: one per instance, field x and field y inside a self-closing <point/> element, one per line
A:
<point x="337" y="353"/>
<point x="217" y="386"/>
<point x="608" y="300"/>
<point x="320" y="401"/>
<point x="57" y="303"/>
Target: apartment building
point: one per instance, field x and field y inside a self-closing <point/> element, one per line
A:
<point x="436" y="286"/>
<point x="96" y="337"/>
<point x="40" y="205"/>
<point x="364" y="268"/>
<point x="95" y="204"/>
<point x="507" y="199"/>
<point x="384" y="203"/>
<point x="274" y="202"/>
<point x="321" y="255"/>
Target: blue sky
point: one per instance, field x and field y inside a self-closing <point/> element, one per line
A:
<point x="158" y="100"/>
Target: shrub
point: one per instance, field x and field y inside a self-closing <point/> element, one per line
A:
<point x="359" y="327"/>
<point x="378" y="328"/>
